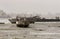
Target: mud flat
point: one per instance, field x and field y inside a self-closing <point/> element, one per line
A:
<point x="40" y="30"/>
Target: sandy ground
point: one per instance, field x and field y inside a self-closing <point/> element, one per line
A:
<point x="42" y="30"/>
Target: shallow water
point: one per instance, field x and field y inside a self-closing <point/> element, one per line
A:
<point x="41" y="30"/>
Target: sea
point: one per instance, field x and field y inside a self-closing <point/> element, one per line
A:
<point x="38" y="30"/>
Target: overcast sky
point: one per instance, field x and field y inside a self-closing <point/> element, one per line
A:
<point x="37" y="6"/>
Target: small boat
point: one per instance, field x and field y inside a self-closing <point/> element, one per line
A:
<point x="13" y="20"/>
<point x="22" y="22"/>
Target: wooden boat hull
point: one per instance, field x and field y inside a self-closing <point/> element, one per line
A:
<point x="21" y="25"/>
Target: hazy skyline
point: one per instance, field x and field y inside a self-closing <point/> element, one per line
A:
<point x="37" y="6"/>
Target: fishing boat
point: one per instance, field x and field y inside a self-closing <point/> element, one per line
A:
<point x="22" y="22"/>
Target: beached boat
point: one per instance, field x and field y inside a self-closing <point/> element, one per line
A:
<point x="22" y="22"/>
